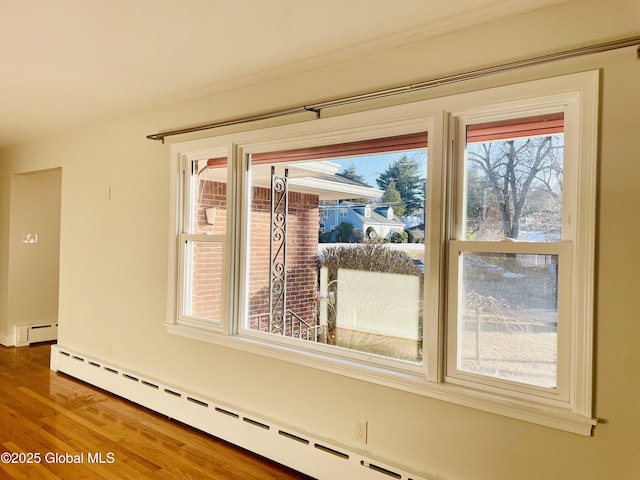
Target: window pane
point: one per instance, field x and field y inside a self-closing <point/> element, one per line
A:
<point x="203" y="280"/>
<point x="514" y="185"/>
<point x="209" y="197"/>
<point x="371" y="299"/>
<point x="336" y="250"/>
<point x="508" y="317"/>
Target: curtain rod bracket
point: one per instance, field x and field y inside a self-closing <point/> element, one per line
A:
<point x="156" y="136"/>
<point x="317" y="111"/>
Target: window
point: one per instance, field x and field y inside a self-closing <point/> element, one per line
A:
<point x="511" y="256"/>
<point x="202" y="243"/>
<point x="466" y="276"/>
<point x="353" y="285"/>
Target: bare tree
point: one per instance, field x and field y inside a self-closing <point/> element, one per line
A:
<point x="511" y="169"/>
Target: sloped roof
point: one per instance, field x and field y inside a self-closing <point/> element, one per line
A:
<point x="379" y="218"/>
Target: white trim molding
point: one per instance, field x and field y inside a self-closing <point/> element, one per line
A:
<point x="310" y="454"/>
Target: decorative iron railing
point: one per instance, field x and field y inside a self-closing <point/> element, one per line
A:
<point x="278" y="252"/>
<point x="293" y="326"/>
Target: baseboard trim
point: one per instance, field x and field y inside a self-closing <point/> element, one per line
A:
<point x="25" y="335"/>
<point x="8" y="340"/>
<point x="318" y="457"/>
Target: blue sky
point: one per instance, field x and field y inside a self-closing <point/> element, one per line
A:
<point x="371" y="166"/>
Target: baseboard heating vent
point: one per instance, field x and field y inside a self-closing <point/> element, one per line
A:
<point x="227" y="412"/>
<point x="256" y="423"/>
<point x="291" y="436"/>
<point x="197" y="402"/>
<point x="317" y="457"/>
<point x="172" y="392"/>
<point x="27" y="334"/>
<point x="384" y="471"/>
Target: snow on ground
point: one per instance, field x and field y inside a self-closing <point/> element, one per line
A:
<point x="519" y="356"/>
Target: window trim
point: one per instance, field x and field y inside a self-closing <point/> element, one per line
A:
<point x="400" y="121"/>
<point x="580" y="104"/>
<point x="182" y="191"/>
<point x="431" y="381"/>
<point x="508" y="120"/>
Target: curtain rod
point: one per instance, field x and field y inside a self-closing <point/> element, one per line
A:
<point x="436" y="82"/>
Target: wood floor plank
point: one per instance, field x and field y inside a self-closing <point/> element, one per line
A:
<point x="47" y="413"/>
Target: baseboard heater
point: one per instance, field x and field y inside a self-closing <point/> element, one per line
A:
<point x="28" y="334"/>
<point x="320" y="458"/>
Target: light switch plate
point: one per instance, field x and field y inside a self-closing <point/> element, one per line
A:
<point x="30" y="238"/>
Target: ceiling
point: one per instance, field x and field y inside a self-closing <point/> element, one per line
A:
<point x="66" y="63"/>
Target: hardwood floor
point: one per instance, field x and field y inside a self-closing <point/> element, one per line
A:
<point x="52" y="420"/>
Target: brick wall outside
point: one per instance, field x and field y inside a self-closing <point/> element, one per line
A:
<point x="302" y="250"/>
<point x="302" y="254"/>
<point x="208" y="256"/>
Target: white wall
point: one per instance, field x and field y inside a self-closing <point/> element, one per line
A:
<point x="113" y="278"/>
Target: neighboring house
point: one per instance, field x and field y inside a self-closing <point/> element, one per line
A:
<point x="363" y="216"/>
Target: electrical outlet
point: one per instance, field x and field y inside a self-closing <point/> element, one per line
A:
<point x="361" y="430"/>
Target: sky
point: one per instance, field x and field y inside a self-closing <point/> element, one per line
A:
<point x="371" y="166"/>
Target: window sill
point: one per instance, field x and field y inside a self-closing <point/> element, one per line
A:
<point x="554" y="416"/>
<point x="206" y="333"/>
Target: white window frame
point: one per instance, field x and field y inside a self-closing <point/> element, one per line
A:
<point x="560" y="394"/>
<point x="575" y="250"/>
<point x="387" y="122"/>
<point x="182" y="187"/>
<point x="575" y="94"/>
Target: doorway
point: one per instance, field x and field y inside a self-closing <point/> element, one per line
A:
<point x="34" y="256"/>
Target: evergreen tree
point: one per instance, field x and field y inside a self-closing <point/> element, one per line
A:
<point x="351" y="173"/>
<point x="393" y="198"/>
<point x="409" y="182"/>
